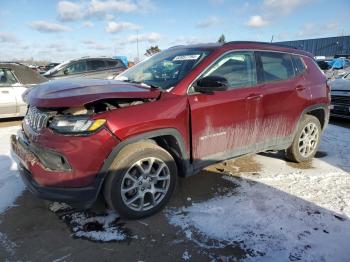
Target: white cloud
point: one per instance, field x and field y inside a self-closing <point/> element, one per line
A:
<point x="48" y="27"/>
<point x="7" y="38"/>
<point x="257" y="21"/>
<point x="150" y="38"/>
<point x="210" y="21"/>
<point x="283" y="6"/>
<point x="71" y="11"/>
<point x="114" y="27"/>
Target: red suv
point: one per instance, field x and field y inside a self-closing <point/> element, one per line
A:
<point x="170" y="115"/>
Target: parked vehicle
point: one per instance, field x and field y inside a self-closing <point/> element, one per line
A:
<point x="101" y="68"/>
<point x="15" y="79"/>
<point x="323" y="64"/>
<point x="168" y="116"/>
<point x="48" y="67"/>
<point x="340" y="93"/>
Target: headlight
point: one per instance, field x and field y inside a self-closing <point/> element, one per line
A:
<point x="76" y="125"/>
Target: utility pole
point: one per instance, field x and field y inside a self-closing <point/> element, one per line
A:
<point x="271" y="38"/>
<point x="137" y="45"/>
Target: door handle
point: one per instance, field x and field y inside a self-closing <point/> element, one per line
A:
<point x="300" y="88"/>
<point x="254" y="97"/>
<point x="5" y="92"/>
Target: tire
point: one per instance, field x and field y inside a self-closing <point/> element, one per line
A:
<point x="306" y="140"/>
<point x="133" y="177"/>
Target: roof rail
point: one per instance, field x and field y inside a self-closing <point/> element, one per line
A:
<point x="260" y="43"/>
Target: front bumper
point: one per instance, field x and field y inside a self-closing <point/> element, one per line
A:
<point x="62" y="168"/>
<point x="83" y="197"/>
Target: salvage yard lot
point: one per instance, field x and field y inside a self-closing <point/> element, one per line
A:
<point x="257" y="207"/>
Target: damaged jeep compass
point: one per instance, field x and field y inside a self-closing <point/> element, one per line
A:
<point x="128" y="139"/>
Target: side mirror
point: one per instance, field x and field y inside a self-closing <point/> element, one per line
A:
<point x="210" y="84"/>
<point x="66" y="72"/>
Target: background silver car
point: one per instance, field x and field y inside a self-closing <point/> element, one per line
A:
<point x="340" y="93"/>
<point x="15" y="79"/>
<point x="87" y="67"/>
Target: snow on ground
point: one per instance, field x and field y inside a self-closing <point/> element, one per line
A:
<point x="282" y="213"/>
<point x="88" y="225"/>
<point x="11" y="185"/>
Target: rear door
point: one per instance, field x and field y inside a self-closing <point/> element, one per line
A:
<point x="7" y="94"/>
<point x="284" y="96"/>
<point x="224" y="123"/>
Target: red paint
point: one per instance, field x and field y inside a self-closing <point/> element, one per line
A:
<point x="223" y="121"/>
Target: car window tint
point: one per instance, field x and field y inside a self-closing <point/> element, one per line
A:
<point x="299" y="66"/>
<point x="76" y="67"/>
<point x="237" y="67"/>
<point x="96" y="64"/>
<point x="113" y="63"/>
<point x="276" y="66"/>
<point x="7" y="77"/>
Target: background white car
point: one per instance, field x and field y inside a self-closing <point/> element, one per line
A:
<point x="15" y="79"/>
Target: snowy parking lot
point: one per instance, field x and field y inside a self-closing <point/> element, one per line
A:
<point x="255" y="208"/>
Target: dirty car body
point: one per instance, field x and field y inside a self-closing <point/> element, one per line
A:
<point x="196" y="105"/>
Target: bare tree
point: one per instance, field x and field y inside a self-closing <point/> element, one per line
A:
<point x="152" y="50"/>
<point x="222" y="39"/>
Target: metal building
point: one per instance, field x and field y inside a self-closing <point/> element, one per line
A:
<point x="328" y="46"/>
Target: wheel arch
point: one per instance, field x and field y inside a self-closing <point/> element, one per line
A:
<point x="320" y="111"/>
<point x="169" y="139"/>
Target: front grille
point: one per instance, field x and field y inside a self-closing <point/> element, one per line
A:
<point x="36" y="119"/>
<point x="340" y="100"/>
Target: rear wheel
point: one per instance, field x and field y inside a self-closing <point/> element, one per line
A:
<point x="141" y="180"/>
<point x="306" y="141"/>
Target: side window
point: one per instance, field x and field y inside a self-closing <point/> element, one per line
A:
<point x="7" y="78"/>
<point x="95" y="64"/>
<point x="113" y="63"/>
<point x="276" y="66"/>
<point x="77" y="67"/>
<point x="237" y="67"/>
<point x="299" y="66"/>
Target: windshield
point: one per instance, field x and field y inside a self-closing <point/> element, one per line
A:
<point x="165" y="69"/>
<point x="57" y="68"/>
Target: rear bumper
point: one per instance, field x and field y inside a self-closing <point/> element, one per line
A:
<point x="82" y="197"/>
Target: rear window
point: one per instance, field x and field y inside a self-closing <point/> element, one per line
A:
<point x="276" y="66"/>
<point x="299" y="66"/>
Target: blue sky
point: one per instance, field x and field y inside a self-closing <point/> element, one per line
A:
<point x="60" y="30"/>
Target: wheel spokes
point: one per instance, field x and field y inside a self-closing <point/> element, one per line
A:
<point x="145" y="184"/>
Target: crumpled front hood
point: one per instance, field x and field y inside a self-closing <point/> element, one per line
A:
<point x="78" y="92"/>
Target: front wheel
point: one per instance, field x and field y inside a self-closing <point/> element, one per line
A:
<point x="306" y="140"/>
<point x="141" y="180"/>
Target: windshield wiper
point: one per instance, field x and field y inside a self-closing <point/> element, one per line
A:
<point x="143" y="83"/>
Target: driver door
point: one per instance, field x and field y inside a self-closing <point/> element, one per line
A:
<point x="225" y="123"/>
